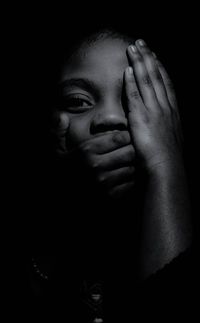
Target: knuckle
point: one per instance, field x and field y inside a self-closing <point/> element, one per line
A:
<point x="155" y="74"/>
<point x="144" y="118"/>
<point x="92" y="161"/>
<point x="101" y="178"/>
<point x="118" y="138"/>
<point x="147" y="54"/>
<point x="131" y="153"/>
<point x="122" y="137"/>
<point x="134" y="94"/>
<point x="138" y="58"/>
<point x="95" y="164"/>
<point x="146" y="80"/>
<point x="86" y="147"/>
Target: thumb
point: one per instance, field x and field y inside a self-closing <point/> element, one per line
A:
<point x="61" y="125"/>
<point x="61" y="122"/>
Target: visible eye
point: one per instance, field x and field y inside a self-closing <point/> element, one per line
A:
<point x="77" y="104"/>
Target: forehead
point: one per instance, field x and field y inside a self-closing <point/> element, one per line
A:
<point x="103" y="60"/>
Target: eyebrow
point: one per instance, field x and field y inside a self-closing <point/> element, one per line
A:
<point x="86" y="84"/>
<point x="82" y="83"/>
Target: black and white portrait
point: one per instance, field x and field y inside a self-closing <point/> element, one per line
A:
<point x="110" y="140"/>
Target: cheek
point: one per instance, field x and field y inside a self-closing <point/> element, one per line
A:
<point x="79" y="129"/>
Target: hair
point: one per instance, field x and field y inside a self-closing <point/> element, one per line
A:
<point x="66" y="49"/>
<point x="90" y="37"/>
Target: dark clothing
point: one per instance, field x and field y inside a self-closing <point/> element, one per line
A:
<point x="171" y="293"/>
<point x="96" y="241"/>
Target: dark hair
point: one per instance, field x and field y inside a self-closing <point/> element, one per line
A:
<point x="66" y="49"/>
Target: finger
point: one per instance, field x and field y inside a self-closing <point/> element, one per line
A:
<point x="142" y="78"/>
<point x="119" y="158"/>
<point x="121" y="189"/>
<point x="154" y="73"/>
<point x="134" y="100"/>
<point x="61" y="125"/>
<point x="117" y="176"/>
<point x="168" y="84"/>
<point x="171" y="96"/>
<point x="107" y="142"/>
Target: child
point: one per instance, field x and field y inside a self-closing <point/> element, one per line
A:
<point x="119" y="141"/>
<point x="118" y="112"/>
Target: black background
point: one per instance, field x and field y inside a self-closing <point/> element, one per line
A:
<point x="33" y="35"/>
<point x="37" y="35"/>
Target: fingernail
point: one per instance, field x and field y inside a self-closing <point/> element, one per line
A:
<point x="133" y="48"/>
<point x="130" y="70"/>
<point x="141" y="42"/>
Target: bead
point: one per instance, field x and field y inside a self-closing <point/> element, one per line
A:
<point x="96" y="297"/>
<point x="98" y="320"/>
<point x="37" y="270"/>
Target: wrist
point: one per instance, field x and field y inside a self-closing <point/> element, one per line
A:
<point x="165" y="165"/>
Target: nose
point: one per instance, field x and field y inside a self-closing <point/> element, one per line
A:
<point x="108" y="117"/>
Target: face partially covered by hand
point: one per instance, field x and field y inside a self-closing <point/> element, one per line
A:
<point x="91" y="117"/>
<point x="110" y="156"/>
<point x="110" y="116"/>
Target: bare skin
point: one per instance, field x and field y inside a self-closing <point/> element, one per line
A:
<point x="112" y="139"/>
<point x="155" y="129"/>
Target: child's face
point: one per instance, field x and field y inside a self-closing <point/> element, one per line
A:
<point x="92" y="83"/>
